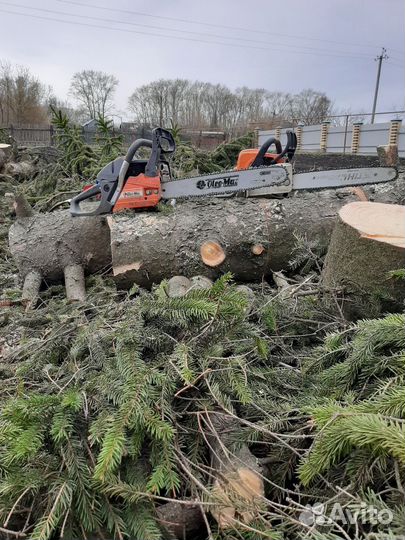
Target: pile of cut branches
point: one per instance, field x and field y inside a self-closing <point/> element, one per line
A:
<point x="107" y="406"/>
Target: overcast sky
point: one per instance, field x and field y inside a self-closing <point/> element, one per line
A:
<point x="328" y="45"/>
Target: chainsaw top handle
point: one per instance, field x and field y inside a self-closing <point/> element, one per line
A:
<point x="259" y="159"/>
<point x="289" y="150"/>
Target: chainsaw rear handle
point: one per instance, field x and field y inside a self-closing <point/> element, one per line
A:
<point x="107" y="189"/>
<point x="159" y="136"/>
<point x="110" y="190"/>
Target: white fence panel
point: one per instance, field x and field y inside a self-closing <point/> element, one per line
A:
<point x="336" y="140"/>
<point x="311" y="138"/>
<point x="371" y="136"/>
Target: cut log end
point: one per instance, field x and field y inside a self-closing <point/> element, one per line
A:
<point x="74" y="283"/>
<point x="376" y="221"/>
<point x="212" y="253"/>
<point x="239" y="492"/>
<point x="177" y="286"/>
<point x="238" y="486"/>
<point x="257" y="249"/>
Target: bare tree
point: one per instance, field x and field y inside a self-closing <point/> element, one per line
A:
<point x="23" y="98"/>
<point x="309" y="107"/>
<point x="198" y="104"/>
<point x="94" y="91"/>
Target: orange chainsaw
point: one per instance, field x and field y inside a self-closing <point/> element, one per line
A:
<point x="128" y="183"/>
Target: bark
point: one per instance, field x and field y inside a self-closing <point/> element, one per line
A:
<point x="23" y="170"/>
<point x="74" y="283"/>
<point x="181" y="520"/>
<point x="256" y="236"/>
<point x="30" y="292"/>
<point x="238" y="484"/>
<point x="368" y="242"/>
<point x="22" y="207"/>
<point x="47" y="243"/>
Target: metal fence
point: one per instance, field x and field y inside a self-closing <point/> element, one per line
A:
<point x="356" y="138"/>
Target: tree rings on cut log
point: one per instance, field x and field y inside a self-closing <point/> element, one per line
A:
<point x="257" y="249"/>
<point x="212" y="253"/>
<point x="367" y="246"/>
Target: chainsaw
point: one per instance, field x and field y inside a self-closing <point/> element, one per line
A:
<point x="128" y="183"/>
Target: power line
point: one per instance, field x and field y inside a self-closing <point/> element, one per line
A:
<point x="273" y="49"/>
<point x="100" y="19"/>
<point x="213" y="25"/>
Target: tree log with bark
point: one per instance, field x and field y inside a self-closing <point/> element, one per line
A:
<point x="249" y="237"/>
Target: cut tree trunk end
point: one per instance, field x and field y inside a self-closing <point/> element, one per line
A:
<point x="367" y="246"/>
<point x="238" y="486"/>
<point x="212" y="253"/>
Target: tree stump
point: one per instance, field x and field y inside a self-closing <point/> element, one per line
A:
<point x="367" y="247"/>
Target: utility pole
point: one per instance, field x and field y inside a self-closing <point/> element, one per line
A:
<point x="380" y="58"/>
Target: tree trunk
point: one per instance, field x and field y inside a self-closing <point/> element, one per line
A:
<point x="221" y="235"/>
<point x="48" y="243"/>
<point x="251" y="237"/>
<point x="367" y="245"/>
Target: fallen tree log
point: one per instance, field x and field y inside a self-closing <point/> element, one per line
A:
<point x="252" y="237"/>
<point x="367" y="245"/>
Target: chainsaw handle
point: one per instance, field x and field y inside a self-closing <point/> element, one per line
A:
<point x="104" y="189"/>
<point x="259" y="159"/>
<point x="158" y="136"/>
<point x="134" y="147"/>
<point x="289" y="149"/>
